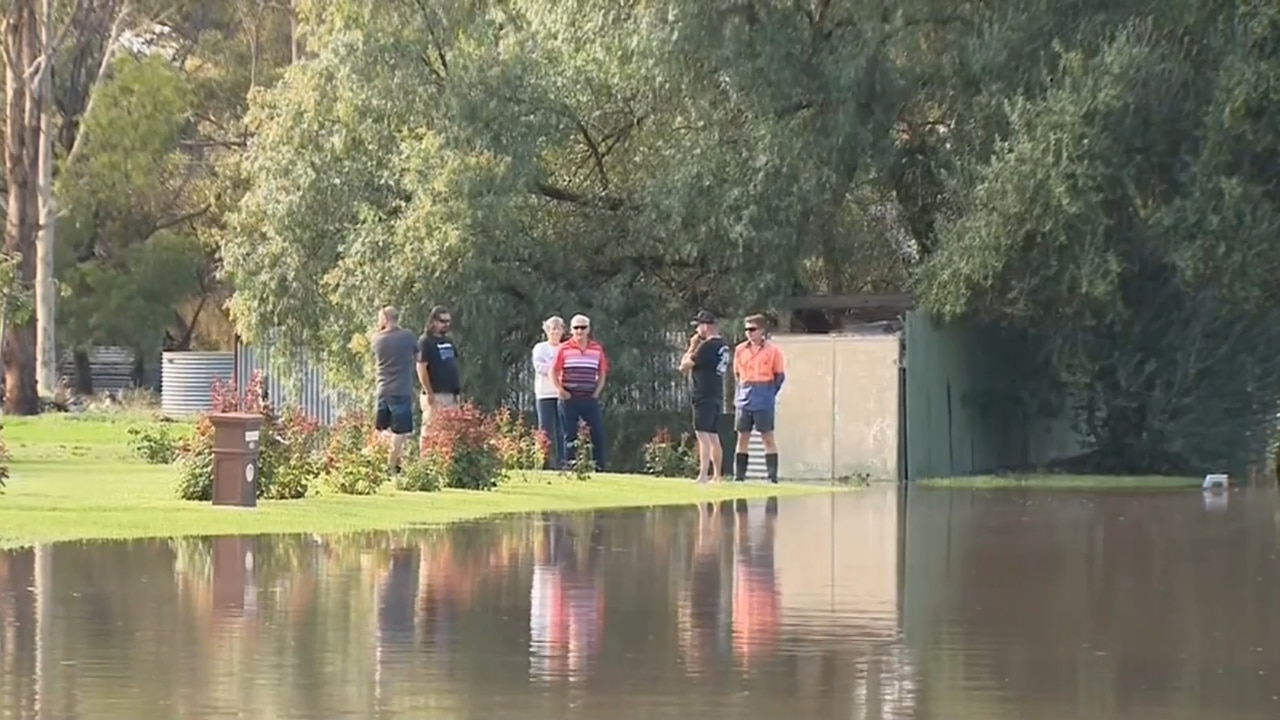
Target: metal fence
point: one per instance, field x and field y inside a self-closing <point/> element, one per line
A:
<point x="302" y="385"/>
<point x="640" y="380"/>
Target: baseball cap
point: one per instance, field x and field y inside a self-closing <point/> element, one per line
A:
<point x="703" y="316"/>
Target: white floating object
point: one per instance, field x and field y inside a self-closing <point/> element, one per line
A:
<point x="1215" y="481"/>
<point x="1216" y="501"/>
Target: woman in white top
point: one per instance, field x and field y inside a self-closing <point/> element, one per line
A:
<point x="548" y="399"/>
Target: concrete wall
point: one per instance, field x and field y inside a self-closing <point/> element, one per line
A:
<point x="839" y="413"/>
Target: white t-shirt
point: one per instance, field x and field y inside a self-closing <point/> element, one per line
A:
<point x="544" y="354"/>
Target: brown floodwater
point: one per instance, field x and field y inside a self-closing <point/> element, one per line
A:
<point x="866" y="606"/>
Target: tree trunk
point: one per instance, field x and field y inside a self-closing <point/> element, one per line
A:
<point x="84" y="372"/>
<point x="21" y="156"/>
<point x="46" y="294"/>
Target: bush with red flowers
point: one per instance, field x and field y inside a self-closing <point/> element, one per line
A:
<point x="462" y="446"/>
<point x="666" y="457"/>
<point x="521" y="446"/>
<point x="355" y="458"/>
<point x="289" y="456"/>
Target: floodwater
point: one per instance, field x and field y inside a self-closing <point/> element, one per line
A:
<point x="864" y="606"/>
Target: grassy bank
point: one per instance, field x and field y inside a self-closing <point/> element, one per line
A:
<point x="73" y="479"/>
<point x="1063" y="482"/>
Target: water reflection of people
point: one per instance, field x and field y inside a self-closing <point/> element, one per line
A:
<point x="755" y="588"/>
<point x="548" y="616"/>
<point x="566" y="617"/>
<point x="397" y="595"/>
<point x="704" y="613"/>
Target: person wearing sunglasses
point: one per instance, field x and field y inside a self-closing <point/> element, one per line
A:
<point x="760" y="370"/>
<point x="579" y="372"/>
<point x="438" y="366"/>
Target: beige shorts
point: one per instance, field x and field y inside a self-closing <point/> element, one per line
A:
<point x="442" y="400"/>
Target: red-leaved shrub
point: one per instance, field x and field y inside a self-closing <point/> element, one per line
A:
<point x="288" y="454"/>
<point x="355" y="458"/>
<point x="520" y="446"/>
<point x="665" y="457"/>
<point x="461" y="444"/>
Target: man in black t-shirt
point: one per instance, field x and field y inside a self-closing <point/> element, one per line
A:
<point x="438" y="366"/>
<point x="707" y="361"/>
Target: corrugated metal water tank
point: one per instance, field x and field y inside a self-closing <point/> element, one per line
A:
<point x="186" y="379"/>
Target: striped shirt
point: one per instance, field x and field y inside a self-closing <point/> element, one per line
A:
<point x="580" y="368"/>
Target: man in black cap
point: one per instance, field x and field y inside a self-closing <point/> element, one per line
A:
<point x="707" y="361"/>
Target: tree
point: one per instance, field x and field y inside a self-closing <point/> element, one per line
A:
<point x="1128" y="224"/>
<point x="22" y="112"/>
<point x="1094" y="178"/>
<point x="141" y="186"/>
<point x="519" y="158"/>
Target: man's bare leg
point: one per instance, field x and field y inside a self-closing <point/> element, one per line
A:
<point x="710" y="452"/>
<point x="717" y="459"/>
<point x="397" y="451"/>
<point x="703" y="460"/>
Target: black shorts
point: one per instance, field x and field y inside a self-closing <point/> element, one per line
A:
<point x="394" y="413"/>
<point x="706" y="417"/>
<point x="759" y="420"/>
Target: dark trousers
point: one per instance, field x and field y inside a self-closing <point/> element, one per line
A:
<point x="587" y="410"/>
<point x="550" y="424"/>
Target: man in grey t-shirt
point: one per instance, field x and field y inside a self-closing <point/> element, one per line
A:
<point x="395" y="355"/>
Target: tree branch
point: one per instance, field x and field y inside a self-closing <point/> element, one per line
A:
<point x="600" y="202"/>
<point x="596" y="156"/>
<point x="108" y="53"/>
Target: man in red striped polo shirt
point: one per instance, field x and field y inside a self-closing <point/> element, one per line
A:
<point x="579" y="373"/>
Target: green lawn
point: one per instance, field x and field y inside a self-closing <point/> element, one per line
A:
<point x="73" y="478"/>
<point x="1063" y="482"/>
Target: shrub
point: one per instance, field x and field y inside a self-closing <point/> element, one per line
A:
<point x="461" y="445"/>
<point x="355" y="457"/>
<point x="583" y="464"/>
<point x="195" y="463"/>
<point x="4" y="464"/>
<point x="419" y="475"/>
<point x="154" y="444"/>
<point x="665" y="457"/>
<point x="290" y="458"/>
<point x="289" y="450"/>
<point x="521" y="446"/>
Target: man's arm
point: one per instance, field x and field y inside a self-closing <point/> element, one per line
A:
<point x="689" y="361"/>
<point x="604" y="374"/>
<point x="424" y="375"/>
<point x="779" y="370"/>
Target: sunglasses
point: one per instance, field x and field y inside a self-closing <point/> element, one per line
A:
<point x="580" y="327"/>
<point x="752" y="328"/>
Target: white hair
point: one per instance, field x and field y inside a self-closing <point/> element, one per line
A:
<point x="553" y="321"/>
<point x="580" y="319"/>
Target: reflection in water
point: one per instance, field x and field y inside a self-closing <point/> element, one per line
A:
<point x="1009" y="607"/>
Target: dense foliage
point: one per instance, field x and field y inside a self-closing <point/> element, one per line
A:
<point x="1097" y="179"/>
